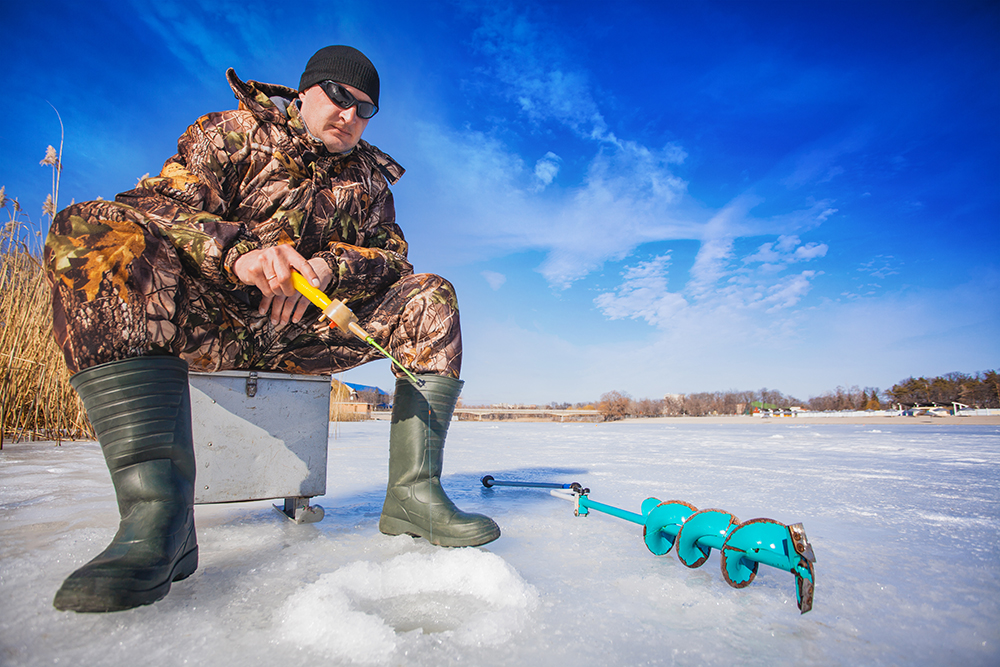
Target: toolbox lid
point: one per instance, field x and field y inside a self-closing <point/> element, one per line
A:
<point x="266" y="375"/>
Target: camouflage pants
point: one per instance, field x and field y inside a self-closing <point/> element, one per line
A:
<point x="120" y="290"/>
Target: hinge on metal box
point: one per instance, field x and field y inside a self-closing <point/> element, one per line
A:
<point x="252" y="384"/>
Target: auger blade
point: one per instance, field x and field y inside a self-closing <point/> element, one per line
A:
<point x="775" y="544"/>
<point x="703" y="531"/>
<point x="663" y="522"/>
<point x="805" y="575"/>
<point x="737" y="570"/>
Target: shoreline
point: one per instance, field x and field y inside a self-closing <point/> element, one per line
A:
<point x="871" y="420"/>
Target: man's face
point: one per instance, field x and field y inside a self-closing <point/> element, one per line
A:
<point x="339" y="129"/>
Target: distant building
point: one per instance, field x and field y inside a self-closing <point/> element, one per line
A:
<point x="350" y="401"/>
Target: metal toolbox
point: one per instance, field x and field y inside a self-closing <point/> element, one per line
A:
<point x="261" y="435"/>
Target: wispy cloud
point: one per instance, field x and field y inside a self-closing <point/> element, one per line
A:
<point x="643" y="294"/>
<point x="787" y="292"/>
<point x="786" y="250"/>
<point x="537" y="75"/>
<point x="630" y="194"/>
<point x="189" y="31"/>
<point x="547" y="168"/>
<point x="495" y="280"/>
<point x="880" y="267"/>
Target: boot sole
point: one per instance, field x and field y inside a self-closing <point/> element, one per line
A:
<point x="99" y="595"/>
<point x="391" y="526"/>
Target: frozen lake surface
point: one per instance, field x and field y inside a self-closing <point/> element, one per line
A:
<point x="904" y="521"/>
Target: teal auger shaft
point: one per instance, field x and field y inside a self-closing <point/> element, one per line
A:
<point x="587" y="504"/>
<point x="693" y="533"/>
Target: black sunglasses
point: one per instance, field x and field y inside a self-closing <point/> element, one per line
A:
<point x="343" y="99"/>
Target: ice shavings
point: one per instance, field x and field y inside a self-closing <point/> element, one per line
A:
<point x="361" y="611"/>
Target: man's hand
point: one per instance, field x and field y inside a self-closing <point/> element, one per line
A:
<point x="270" y="271"/>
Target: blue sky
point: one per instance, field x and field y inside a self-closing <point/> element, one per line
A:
<point x="654" y="197"/>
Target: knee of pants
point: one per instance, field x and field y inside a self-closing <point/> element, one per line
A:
<point x="93" y="235"/>
<point x="430" y="287"/>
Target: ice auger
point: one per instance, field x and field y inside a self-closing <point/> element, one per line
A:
<point x="743" y="545"/>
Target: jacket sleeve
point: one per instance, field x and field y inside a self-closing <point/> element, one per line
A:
<point x="360" y="272"/>
<point x="188" y="201"/>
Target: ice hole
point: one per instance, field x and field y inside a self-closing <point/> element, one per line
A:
<point x="429" y="613"/>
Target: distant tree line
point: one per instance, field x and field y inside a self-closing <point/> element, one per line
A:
<point x="979" y="390"/>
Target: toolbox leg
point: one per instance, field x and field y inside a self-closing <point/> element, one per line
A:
<point x="299" y="510"/>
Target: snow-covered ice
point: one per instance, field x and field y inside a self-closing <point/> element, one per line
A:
<point x="904" y="520"/>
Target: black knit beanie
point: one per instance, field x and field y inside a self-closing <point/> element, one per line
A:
<point x="343" y="64"/>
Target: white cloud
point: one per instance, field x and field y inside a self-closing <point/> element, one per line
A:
<point x="880" y="266"/>
<point x="786" y="250"/>
<point x="190" y="30"/>
<point x="537" y="75"/>
<point x="630" y="194"/>
<point x="715" y="290"/>
<point x="643" y="294"/>
<point x="474" y="197"/>
<point x="810" y="251"/>
<point x="723" y="347"/>
<point x="788" y="292"/>
<point x="547" y="168"/>
<point x="825" y="214"/>
<point x="495" y="280"/>
<point x="710" y="265"/>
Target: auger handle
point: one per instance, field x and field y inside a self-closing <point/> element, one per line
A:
<point x="489" y="482"/>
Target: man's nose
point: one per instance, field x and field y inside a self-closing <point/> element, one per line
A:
<point x="350" y="114"/>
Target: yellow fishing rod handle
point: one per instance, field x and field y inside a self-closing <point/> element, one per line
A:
<point x="310" y="292"/>
<point x="342" y="316"/>
<point x="333" y="309"/>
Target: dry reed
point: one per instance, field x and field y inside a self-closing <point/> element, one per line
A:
<point x="342" y="408"/>
<point x="36" y="399"/>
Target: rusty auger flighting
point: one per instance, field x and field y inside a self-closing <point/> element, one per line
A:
<point x="694" y="533"/>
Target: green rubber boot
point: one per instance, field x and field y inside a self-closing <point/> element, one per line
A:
<point x="415" y="504"/>
<point x="141" y="412"/>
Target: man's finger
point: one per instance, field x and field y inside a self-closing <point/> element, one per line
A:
<point x="300" y="310"/>
<point x="306" y="269"/>
<point x="287" y="309"/>
<point x="265" y="305"/>
<point x="277" y="306"/>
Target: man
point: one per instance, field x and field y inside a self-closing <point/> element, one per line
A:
<point x="192" y="269"/>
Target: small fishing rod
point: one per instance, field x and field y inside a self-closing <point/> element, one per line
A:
<point x="343" y="317"/>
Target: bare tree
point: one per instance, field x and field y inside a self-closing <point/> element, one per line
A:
<point x="614" y="405"/>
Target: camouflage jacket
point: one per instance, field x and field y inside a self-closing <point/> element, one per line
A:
<point x="254" y="177"/>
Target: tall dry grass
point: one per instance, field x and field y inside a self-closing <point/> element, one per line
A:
<point x="342" y="408"/>
<point x="36" y="399"/>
